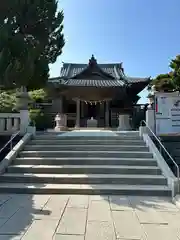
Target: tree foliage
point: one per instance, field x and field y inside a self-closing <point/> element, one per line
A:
<point x="30" y="39"/>
<point x="7" y="101"/>
<point x="163" y="82"/>
<point x="169" y="81"/>
<point x="39" y="95"/>
<point x="175" y="65"/>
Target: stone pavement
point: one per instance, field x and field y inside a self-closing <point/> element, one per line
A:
<point x="63" y="217"/>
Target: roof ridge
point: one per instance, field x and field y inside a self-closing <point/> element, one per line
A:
<point x="84" y="64"/>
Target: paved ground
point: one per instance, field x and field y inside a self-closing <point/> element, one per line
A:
<point x="62" y="217"/>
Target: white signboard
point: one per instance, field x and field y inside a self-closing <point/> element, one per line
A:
<point x="167" y="113"/>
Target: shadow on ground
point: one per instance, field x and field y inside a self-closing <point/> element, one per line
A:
<point x="17" y="213"/>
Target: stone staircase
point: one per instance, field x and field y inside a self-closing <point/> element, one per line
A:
<point x="118" y="164"/>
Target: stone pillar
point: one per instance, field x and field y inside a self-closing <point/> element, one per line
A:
<point x="77" y="113"/>
<point x="124" y="122"/>
<point x="150" y="119"/>
<point x="107" y="114"/>
<point x="24" y="121"/>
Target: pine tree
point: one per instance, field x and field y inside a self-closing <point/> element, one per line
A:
<point x="31" y="38"/>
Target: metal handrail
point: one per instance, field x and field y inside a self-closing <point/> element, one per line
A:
<point x="159" y="141"/>
<point x="10" y="141"/>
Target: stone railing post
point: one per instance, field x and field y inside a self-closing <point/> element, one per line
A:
<point x="16" y="124"/>
<point x="9" y="124"/>
<point x="22" y="104"/>
<point x="2" y="124"/>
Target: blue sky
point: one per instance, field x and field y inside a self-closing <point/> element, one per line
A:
<point x="143" y="34"/>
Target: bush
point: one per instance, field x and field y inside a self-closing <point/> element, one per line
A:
<point x="40" y="119"/>
<point x="38" y="96"/>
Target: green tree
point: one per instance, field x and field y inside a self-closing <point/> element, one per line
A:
<point x="175" y="65"/>
<point x="169" y="81"/>
<point x="31" y="38"/>
<point x="163" y="82"/>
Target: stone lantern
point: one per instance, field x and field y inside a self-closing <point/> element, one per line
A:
<point x="61" y="122"/>
<point x="23" y="99"/>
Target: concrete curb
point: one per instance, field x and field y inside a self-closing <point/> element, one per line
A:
<point x="172" y="180"/>
<point x="13" y="153"/>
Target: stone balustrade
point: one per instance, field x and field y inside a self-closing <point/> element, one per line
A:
<point x="9" y="123"/>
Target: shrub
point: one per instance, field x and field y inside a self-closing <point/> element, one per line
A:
<point x="40" y="119"/>
<point x="39" y="95"/>
<point x="37" y="116"/>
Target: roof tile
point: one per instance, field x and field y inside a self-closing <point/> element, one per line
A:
<point x="93" y="83"/>
<point x="69" y="70"/>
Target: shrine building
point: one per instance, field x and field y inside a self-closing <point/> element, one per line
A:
<point x="95" y="91"/>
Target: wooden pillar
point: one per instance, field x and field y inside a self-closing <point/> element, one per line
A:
<point x="61" y="104"/>
<point x="82" y="109"/>
<point x="57" y="106"/>
<point x="107" y="114"/>
<point x="78" y="113"/>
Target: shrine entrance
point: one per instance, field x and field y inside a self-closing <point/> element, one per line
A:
<point x="92" y="110"/>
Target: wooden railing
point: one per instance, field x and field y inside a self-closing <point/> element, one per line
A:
<point x="9" y="123"/>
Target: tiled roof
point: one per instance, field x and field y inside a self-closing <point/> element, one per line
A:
<point x="93" y="83"/>
<point x="69" y="70"/>
<point x="87" y="82"/>
<point x="137" y="80"/>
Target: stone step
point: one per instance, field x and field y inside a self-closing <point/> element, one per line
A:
<point x="83" y="179"/>
<point x="109" y="189"/>
<point x="128" y="154"/>
<point x="85" y="161"/>
<point x="87" y="142"/>
<point x="86" y="169"/>
<point x="93" y="137"/>
<point x="87" y="147"/>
